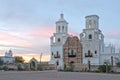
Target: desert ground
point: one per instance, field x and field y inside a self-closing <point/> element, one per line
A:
<point x="55" y="75"/>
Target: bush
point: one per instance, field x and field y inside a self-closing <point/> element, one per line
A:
<point x="104" y="68"/>
<point x="5" y="68"/>
<point x="97" y="71"/>
<point x="66" y="69"/>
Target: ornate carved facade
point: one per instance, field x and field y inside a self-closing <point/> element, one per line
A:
<point x="72" y="51"/>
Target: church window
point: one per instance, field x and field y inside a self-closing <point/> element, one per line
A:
<point x="57" y="55"/>
<point x="52" y="53"/>
<point x="62" y="28"/>
<point x="90" y="36"/>
<point x="88" y="52"/>
<point x="90" y="22"/>
<point x="58" y="39"/>
<point x="57" y="63"/>
<point x="58" y="28"/>
<point x="57" y="52"/>
<point x="72" y="53"/>
<point x="95" y="52"/>
<point x="53" y="39"/>
<point x="95" y="22"/>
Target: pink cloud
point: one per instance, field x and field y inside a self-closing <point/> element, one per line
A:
<point x="11" y="40"/>
<point x="4" y="36"/>
<point x="45" y="32"/>
<point x="73" y="33"/>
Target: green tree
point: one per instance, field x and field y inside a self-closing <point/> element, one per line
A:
<point x="19" y="59"/>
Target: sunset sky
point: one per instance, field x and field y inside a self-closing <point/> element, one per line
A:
<point x="26" y="25"/>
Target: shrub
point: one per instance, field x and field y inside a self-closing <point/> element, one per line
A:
<point x="104" y="68"/>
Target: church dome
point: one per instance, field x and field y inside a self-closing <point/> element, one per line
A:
<point x="61" y="18"/>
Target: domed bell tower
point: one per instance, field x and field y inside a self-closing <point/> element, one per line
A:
<point x="57" y="41"/>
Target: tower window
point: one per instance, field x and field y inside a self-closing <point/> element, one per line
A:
<point x="58" y="28"/>
<point x="62" y="28"/>
<point x="58" y="39"/>
<point x="52" y="53"/>
<point x="53" y="39"/>
<point x="90" y="22"/>
<point x="90" y="36"/>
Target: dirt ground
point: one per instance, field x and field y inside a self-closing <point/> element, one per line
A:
<point x="55" y="75"/>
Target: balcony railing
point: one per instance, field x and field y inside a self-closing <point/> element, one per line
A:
<point x="71" y="55"/>
<point x="90" y="55"/>
<point x="56" y="56"/>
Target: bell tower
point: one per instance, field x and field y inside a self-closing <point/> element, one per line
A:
<point x="92" y="40"/>
<point x="92" y="22"/>
<point x="57" y="41"/>
<point x="62" y="25"/>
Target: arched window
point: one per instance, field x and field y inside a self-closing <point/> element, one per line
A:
<point x="57" y="53"/>
<point x="90" y="36"/>
<point x="62" y="28"/>
<point x="58" y="28"/>
<point x="72" y="52"/>
<point x="90" y="22"/>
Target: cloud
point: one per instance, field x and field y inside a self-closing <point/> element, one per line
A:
<point x="13" y="39"/>
<point x="31" y="44"/>
<point x="73" y="33"/>
<point x="114" y="34"/>
<point x="44" y="32"/>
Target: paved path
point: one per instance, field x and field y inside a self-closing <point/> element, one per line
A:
<point x="54" y="75"/>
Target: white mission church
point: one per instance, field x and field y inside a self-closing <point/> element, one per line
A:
<point x="92" y="40"/>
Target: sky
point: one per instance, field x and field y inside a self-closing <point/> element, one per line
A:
<point x="26" y="25"/>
